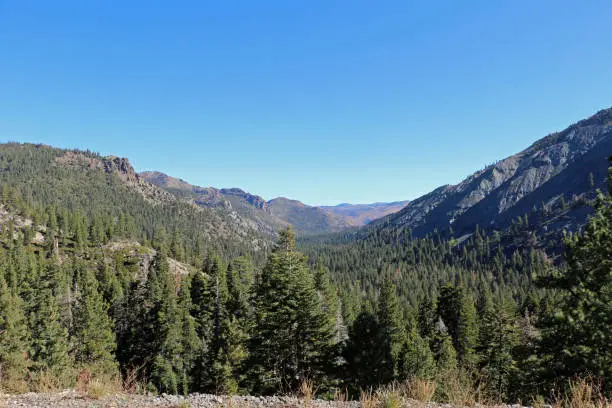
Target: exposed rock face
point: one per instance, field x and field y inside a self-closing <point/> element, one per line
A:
<point x="254" y="200"/>
<point x="486" y="196"/>
<point x="122" y="167"/>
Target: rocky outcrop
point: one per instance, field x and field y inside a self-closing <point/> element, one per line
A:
<point x="254" y="200"/>
<point x="122" y="167"/>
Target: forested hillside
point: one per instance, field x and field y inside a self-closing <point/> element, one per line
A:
<point x="86" y="188"/>
<point x="81" y="295"/>
<point x="104" y="275"/>
<point x="264" y="216"/>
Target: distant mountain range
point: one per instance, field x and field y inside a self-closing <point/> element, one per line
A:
<point x="361" y="214"/>
<point x="269" y="216"/>
<point x="555" y="176"/>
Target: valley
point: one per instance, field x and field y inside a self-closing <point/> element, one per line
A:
<point x="153" y="284"/>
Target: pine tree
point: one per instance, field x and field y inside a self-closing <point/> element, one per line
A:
<point x="416" y="359"/>
<point x="240" y="277"/>
<point x="576" y="338"/>
<point x="459" y="315"/>
<point x="427" y="319"/>
<point x="166" y="366"/>
<point x="217" y="375"/>
<point x="367" y="354"/>
<point x="445" y="355"/>
<point x="498" y="338"/>
<point x="190" y="343"/>
<point x="292" y="337"/>
<point x="14" y="339"/>
<point x="93" y="338"/>
<point x="390" y="319"/>
<point x="49" y="338"/>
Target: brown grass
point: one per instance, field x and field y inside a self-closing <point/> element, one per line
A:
<point x="368" y="399"/>
<point x="583" y="393"/>
<point x="420" y="390"/>
<point x="307" y="392"/>
<point x="340" y="395"/>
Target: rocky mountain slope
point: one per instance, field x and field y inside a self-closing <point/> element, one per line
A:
<point x="562" y="165"/>
<point x="362" y="214"/>
<point x="266" y="216"/>
<point x="73" y="180"/>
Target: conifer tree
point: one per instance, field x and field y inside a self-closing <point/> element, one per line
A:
<point x="576" y="337"/>
<point x="14" y="339"/>
<point x="93" y="338"/>
<point x="416" y="359"/>
<point x="49" y="338"/>
<point x="292" y="337"/>
<point x="498" y="338"/>
<point x="218" y="372"/>
<point x="240" y="277"/>
<point x="445" y="355"/>
<point x="390" y="319"/>
<point x="367" y="354"/>
<point x="327" y="293"/>
<point x="459" y="315"/>
<point x="427" y="319"/>
<point x="190" y="343"/>
<point x="166" y="366"/>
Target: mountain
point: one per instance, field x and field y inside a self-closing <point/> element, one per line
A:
<point x="362" y="214"/>
<point x="306" y="218"/>
<point x="107" y="190"/>
<point x="561" y="166"/>
<point x="265" y="216"/>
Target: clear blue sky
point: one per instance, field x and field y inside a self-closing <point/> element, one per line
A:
<point x="318" y="100"/>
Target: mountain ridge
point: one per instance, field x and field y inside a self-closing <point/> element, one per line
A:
<point x="487" y="197"/>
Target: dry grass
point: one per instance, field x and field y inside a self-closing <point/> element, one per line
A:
<point x="45" y="381"/>
<point x="97" y="386"/>
<point x="583" y="393"/>
<point x="14" y="386"/>
<point x="368" y="399"/>
<point x="390" y="397"/>
<point x="340" y="395"/>
<point x="131" y="382"/>
<point x="420" y="390"/>
<point x="459" y="388"/>
<point x="307" y="392"/>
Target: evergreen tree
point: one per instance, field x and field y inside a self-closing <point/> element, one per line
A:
<point x="427" y="319"/>
<point x="14" y="339"/>
<point x="416" y="359"/>
<point x="49" y="338"/>
<point x="93" y="338"/>
<point x="498" y="338"/>
<point x="190" y="343"/>
<point x="390" y="319"/>
<point x="576" y="337"/>
<point x="459" y="315"/>
<point x="367" y="354"/>
<point x="166" y="367"/>
<point x="292" y="337"/>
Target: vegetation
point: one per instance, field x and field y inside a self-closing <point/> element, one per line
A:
<point x="448" y="321"/>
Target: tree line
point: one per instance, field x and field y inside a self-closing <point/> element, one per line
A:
<point x="348" y="317"/>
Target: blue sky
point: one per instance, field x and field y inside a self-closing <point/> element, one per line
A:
<point x="322" y="101"/>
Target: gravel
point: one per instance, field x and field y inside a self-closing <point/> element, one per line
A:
<point x="72" y="398"/>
